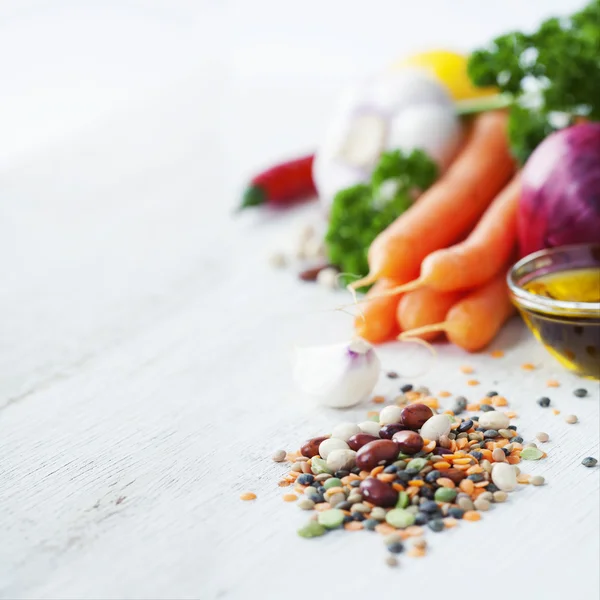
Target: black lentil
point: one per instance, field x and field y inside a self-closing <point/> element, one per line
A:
<point x="589" y="461"/>
<point x="476" y="455"/>
<point x="492" y="487"/>
<point x="456" y="512"/>
<point x="421" y="518"/>
<point x="305" y="479"/>
<point x="544" y="401"/>
<point x="427" y="492"/>
<point x="465" y="426"/>
<point x="356" y="516"/>
<point x="355" y="483"/>
<point x="404" y="476"/>
<point x="411" y="471"/>
<point x="491" y="394"/>
<point x="344" y="506"/>
<point x="436" y="525"/>
<point x="475" y="418"/>
<point x="580" y="392"/>
<point x="391" y="469"/>
<point x="406" y="388"/>
<point x="340" y="474"/>
<point x="356" y="470"/>
<point x="370" y="524"/>
<point x="512" y="427"/>
<point x="347" y="519"/>
<point x="517" y="440"/>
<point x="392" y="374"/>
<point x="429" y="506"/>
<point x="476" y="477"/>
<point x="486" y="408"/>
<point x="432" y="476"/>
<point x="396" y="547"/>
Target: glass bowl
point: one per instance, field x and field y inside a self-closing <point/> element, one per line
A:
<point x="570" y="331"/>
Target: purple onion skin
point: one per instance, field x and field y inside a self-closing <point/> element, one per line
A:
<point x="560" y="201"/>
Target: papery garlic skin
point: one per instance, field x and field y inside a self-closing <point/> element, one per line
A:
<point x="337" y="375"/>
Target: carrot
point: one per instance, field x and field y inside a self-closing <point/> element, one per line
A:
<point x="379" y="322"/>
<point x="481" y="255"/>
<point x="449" y="208"/>
<point x="473" y="322"/>
<point x="425" y="307"/>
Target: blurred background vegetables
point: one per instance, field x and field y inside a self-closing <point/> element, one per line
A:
<point x="552" y="76"/>
<point x="560" y="203"/>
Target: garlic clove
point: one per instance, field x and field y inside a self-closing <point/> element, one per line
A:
<point x="337" y="375"/>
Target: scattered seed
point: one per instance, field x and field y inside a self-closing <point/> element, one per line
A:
<point x="471" y="515"/>
<point x="500" y="496"/>
<point x="580" y="392"/>
<point x="589" y="461"/>
<point x="481" y="504"/>
<point x="486" y="408"/>
<point x="544" y="402"/>
<point x="527" y="367"/>
<point x="331" y="518"/>
<point x="498" y="455"/>
<point x="542" y="437"/>
<point x="248" y="496"/>
<point x="407" y="387"/>
<point x="400" y="518"/>
<point x="391" y="561"/>
<point x="290" y="497"/>
<point x="472" y="382"/>
<point x="571" y="419"/>
<point x="531" y="454"/>
<point x="392" y="375"/>
<point x="552" y="383"/>
<point x="497" y="353"/>
<point x="555" y="411"/>
<point x="537" y="480"/>
<point x="279" y="456"/>
<point x="305" y="503"/>
<point x="378" y="399"/>
<point x="467" y="370"/>
<point x="312" y="529"/>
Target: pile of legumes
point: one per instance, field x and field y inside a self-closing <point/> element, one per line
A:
<point x="409" y="469"/>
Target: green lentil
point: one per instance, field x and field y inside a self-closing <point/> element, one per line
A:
<point x="319" y="466"/>
<point x="331" y="518"/>
<point x="403" y="500"/>
<point x="417" y="463"/>
<point x="332" y="482"/>
<point x="311" y="529"/>
<point x="589" y="461"/>
<point x="531" y="454"/>
<point x="400" y="518"/>
<point x="444" y="494"/>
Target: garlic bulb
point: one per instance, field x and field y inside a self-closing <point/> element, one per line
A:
<point x="338" y="375"/>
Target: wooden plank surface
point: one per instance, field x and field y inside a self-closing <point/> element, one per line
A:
<point x="145" y="381"/>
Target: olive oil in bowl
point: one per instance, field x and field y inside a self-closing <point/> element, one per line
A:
<point x="557" y="292"/>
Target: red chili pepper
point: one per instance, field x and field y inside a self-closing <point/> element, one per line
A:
<point x="282" y="184"/>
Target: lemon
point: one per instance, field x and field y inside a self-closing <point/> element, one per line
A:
<point x="451" y="69"/>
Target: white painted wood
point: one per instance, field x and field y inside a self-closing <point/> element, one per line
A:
<point x="144" y="346"/>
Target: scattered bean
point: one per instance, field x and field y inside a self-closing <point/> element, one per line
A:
<point x="330" y="444"/>
<point x="571" y="419"/>
<point x="400" y="518"/>
<point x="377" y="453"/>
<point x="542" y="437"/>
<point x="494" y="420"/>
<point x="370" y="427"/>
<point x="435" y="427"/>
<point x="589" y="461"/>
<point x="388" y="431"/>
<point x="390" y="414"/>
<point x="279" y="456"/>
<point x="332" y="518"/>
<point x="537" y="480"/>
<point x="378" y="492"/>
<point x="409" y="442"/>
<point x="344" y="431"/>
<point x="310" y="448"/>
<point x="341" y="459"/>
<point x="414" y="416"/>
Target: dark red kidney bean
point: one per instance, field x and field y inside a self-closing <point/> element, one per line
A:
<point x="378" y="492"/>
<point x="310" y="448"/>
<point x="414" y="416"/>
<point x="454" y="474"/>
<point x="378" y="452"/>
<point x="387" y="431"/>
<point x="357" y="441"/>
<point x="409" y="442"/>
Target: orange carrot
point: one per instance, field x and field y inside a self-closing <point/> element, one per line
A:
<point x="449" y="208"/>
<point x="425" y="307"/>
<point x="473" y="322"/>
<point x="480" y="256"/>
<point x="379" y="322"/>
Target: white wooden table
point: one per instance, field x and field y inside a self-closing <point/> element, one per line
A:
<point x="144" y="341"/>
